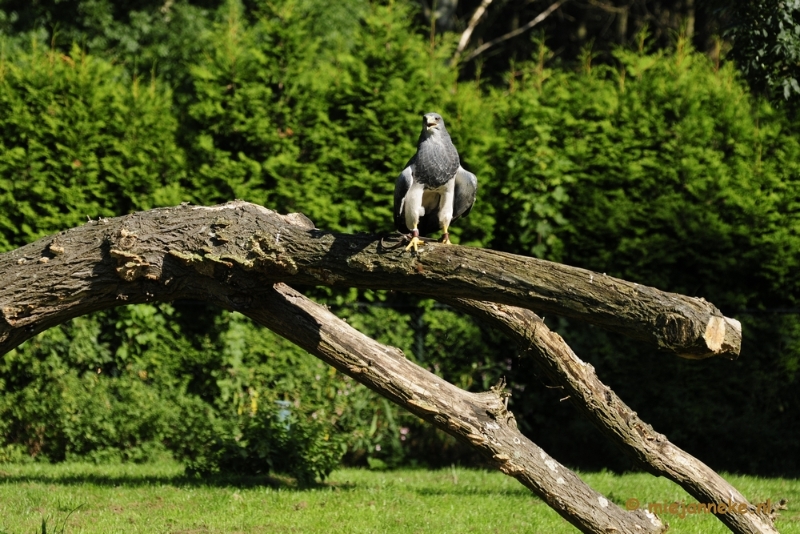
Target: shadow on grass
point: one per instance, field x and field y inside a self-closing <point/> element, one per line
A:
<point x="280" y="482"/>
<point x="473" y="490"/>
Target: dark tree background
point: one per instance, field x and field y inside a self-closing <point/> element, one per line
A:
<point x="762" y="36"/>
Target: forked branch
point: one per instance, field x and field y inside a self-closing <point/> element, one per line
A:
<point x="522" y="29"/>
<point x="652" y="450"/>
<point x="236" y="255"/>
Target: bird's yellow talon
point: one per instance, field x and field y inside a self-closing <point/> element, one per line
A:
<point x="415" y="242"/>
<point x="446" y="238"/>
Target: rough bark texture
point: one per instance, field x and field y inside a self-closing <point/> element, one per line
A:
<point x="234" y="254"/>
<point x="238" y="236"/>
<point x="479" y="419"/>
<point x="168" y="254"/>
<point x="612" y="416"/>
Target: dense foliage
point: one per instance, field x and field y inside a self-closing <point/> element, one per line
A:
<point x="80" y="139"/>
<point x="675" y="177"/>
<point x="660" y="168"/>
<point x="767" y="38"/>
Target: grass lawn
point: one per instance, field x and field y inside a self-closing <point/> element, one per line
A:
<point x="159" y="498"/>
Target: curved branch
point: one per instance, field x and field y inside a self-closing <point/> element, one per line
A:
<point x="479" y="420"/>
<point x="522" y="29"/>
<point x="233" y="254"/>
<point x="652" y="450"/>
<point x="77" y="271"/>
<point x="473" y="22"/>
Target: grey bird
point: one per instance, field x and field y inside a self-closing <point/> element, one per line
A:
<point x="434" y="189"/>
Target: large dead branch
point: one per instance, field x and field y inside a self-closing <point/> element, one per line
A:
<point x="233" y="254"/>
<point x="45" y="283"/>
<point x="480" y="420"/>
<point x="167" y="254"/>
<point x="653" y="451"/>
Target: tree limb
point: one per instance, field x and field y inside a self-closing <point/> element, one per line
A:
<point x="233" y="254"/>
<point x="480" y="420"/>
<point x="653" y="451"/>
<point x="49" y="281"/>
<point x="473" y="22"/>
<point x="539" y="18"/>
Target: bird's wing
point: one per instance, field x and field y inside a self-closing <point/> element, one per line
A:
<point x="401" y="187"/>
<point x="465" y="191"/>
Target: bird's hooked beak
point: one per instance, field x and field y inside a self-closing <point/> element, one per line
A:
<point x="431" y="122"/>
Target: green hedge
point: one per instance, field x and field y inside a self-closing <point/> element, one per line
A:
<point x="80" y="140"/>
<point x="667" y="172"/>
<point x="660" y="169"/>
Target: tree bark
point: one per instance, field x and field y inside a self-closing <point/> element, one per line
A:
<point x="238" y="236"/>
<point x="167" y="254"/>
<point x="653" y="451"/>
<point x="235" y="254"/>
<point x="480" y="420"/>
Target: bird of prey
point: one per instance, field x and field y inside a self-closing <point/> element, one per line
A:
<point x="433" y="190"/>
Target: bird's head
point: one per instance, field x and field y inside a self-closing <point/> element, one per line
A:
<point x="432" y="123"/>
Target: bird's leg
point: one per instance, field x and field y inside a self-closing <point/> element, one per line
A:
<point x="415" y="240"/>
<point x="446" y="210"/>
<point x="446" y="236"/>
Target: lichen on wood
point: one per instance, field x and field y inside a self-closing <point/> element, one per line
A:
<point x="239" y="255"/>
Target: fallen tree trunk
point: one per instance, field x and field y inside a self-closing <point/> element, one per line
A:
<point x="239" y="235"/>
<point x="480" y="420"/>
<point x="111" y="263"/>
<point x="233" y="254"/>
<point x="652" y="450"/>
